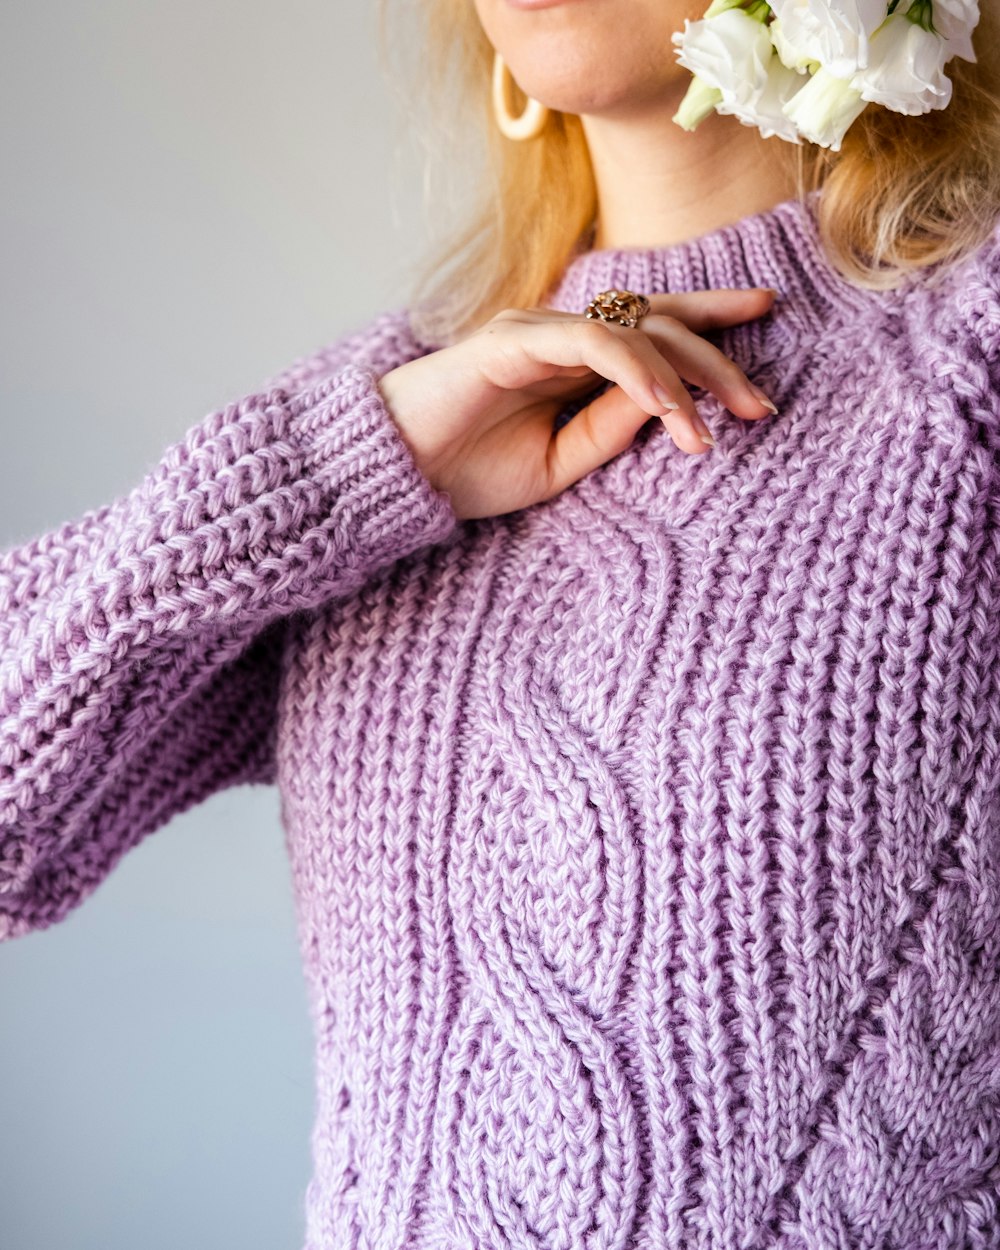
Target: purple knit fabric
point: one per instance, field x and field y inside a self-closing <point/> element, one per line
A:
<point x="645" y="842"/>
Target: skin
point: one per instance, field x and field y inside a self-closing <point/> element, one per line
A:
<point x="657" y="184"/>
<point x="492" y="445"/>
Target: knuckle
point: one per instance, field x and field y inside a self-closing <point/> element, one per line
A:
<point x="671" y="323"/>
<point x="663" y="321"/>
<point x="591" y="330"/>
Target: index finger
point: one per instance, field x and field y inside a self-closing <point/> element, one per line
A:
<point x="714" y="308"/>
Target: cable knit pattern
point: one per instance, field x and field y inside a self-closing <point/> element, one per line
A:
<point x="645" y="842"/>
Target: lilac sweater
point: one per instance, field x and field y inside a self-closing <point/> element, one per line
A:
<point x="646" y="842"/>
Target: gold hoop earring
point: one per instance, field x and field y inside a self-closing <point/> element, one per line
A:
<point x="531" y="122"/>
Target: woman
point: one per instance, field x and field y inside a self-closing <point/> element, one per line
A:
<point x="642" y="804"/>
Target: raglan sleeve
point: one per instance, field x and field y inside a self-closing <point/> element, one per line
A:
<point x="140" y="646"/>
<point x="978" y="303"/>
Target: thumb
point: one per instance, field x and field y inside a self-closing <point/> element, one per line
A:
<point x="599" y="432"/>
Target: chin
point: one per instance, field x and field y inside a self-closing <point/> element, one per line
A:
<point x="597" y="56"/>
<point x="579" y="82"/>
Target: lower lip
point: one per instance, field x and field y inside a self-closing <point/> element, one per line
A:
<point x="535" y="4"/>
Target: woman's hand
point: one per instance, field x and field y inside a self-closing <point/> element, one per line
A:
<point x="478" y="415"/>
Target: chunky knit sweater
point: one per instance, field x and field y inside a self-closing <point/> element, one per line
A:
<point x="645" y="842"/>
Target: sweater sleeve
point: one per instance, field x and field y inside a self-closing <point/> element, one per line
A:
<point x="979" y="298"/>
<point x="140" y="646"/>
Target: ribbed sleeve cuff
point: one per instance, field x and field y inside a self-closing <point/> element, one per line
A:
<point x="382" y="504"/>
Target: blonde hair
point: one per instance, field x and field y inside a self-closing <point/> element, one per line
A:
<point x="903" y="193"/>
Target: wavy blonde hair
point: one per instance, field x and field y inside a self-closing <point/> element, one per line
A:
<point x="903" y="193"/>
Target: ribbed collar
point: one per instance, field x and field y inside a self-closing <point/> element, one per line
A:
<point x="779" y="248"/>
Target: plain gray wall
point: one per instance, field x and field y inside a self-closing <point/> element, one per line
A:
<point x="193" y="195"/>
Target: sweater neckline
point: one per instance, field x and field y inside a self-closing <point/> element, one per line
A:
<point x="779" y="247"/>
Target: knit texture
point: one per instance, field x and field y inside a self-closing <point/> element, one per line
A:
<point x="645" y="842"/>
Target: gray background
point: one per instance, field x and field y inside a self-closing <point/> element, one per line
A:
<point x="193" y="195"/>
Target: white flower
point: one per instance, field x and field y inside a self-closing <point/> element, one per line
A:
<point x="906" y="68"/>
<point x="833" y="32"/>
<point x="813" y="68"/>
<point x="766" y="110"/>
<point x="732" y="52"/>
<point x="699" y="100"/>
<point x="954" y="21"/>
<point x="790" y="55"/>
<point x="824" y="107"/>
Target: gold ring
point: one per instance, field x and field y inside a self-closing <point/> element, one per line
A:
<point x="622" y="307"/>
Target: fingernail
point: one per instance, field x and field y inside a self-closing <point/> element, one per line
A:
<point x="704" y="433"/>
<point x="759" y="395"/>
<point x="663" y="397"/>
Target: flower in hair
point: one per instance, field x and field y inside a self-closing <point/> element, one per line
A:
<point x="807" y="69"/>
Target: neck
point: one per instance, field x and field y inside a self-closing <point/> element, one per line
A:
<point x="658" y="184"/>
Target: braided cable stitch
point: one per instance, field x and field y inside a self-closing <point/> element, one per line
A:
<point x="646" y="842"/>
